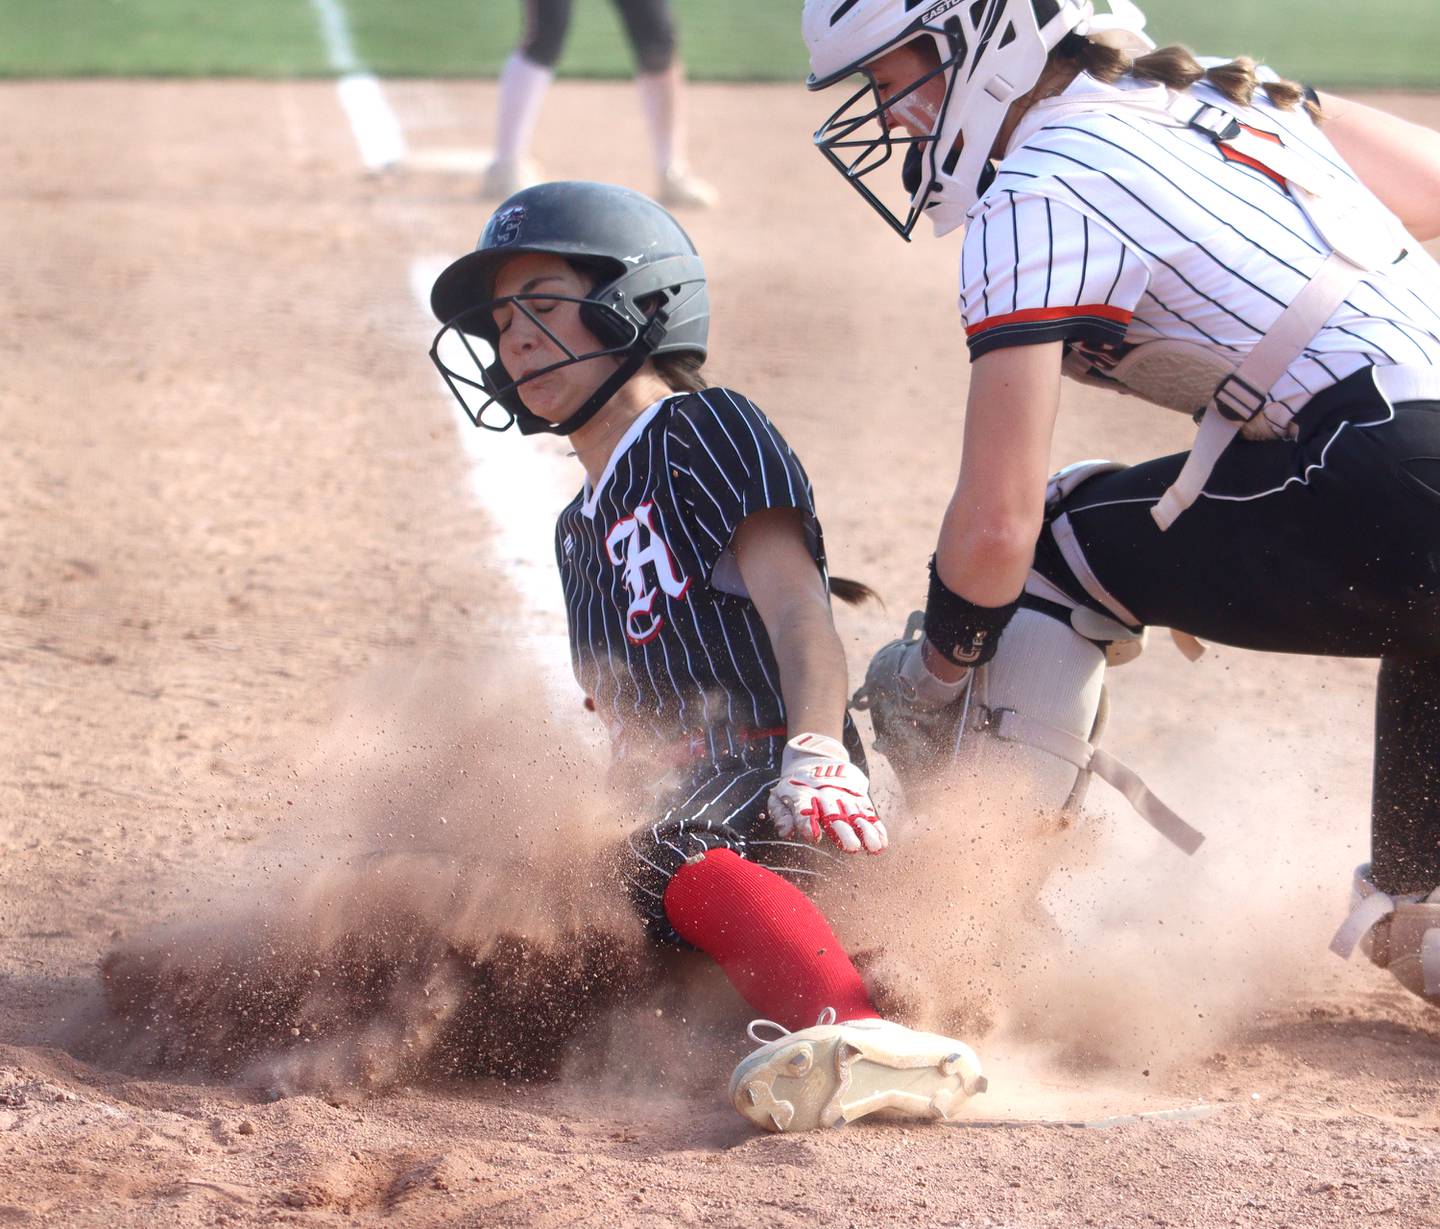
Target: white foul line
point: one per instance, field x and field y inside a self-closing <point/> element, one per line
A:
<point x="521" y="487"/>
<point x="374" y="123"/>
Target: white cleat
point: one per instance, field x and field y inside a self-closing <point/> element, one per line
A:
<point x="682" y="190"/>
<point x="831" y="1074"/>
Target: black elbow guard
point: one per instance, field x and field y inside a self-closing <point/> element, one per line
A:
<point x="965" y="634"/>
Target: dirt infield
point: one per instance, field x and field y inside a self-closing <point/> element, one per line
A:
<point x="248" y="624"/>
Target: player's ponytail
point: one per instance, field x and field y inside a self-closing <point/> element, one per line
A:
<point x="852" y="592"/>
<point x="1177" y="68"/>
<point x="682" y="373"/>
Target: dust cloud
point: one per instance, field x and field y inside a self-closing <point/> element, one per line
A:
<point x="449" y="907"/>
<point x="1081" y="945"/>
<point x="444" y="905"/>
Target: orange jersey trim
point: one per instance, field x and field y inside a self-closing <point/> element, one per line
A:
<point x="1037" y="315"/>
<point x="1232" y="156"/>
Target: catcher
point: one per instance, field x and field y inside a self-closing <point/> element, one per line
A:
<point x="1223" y="243"/>
<point x="700" y="630"/>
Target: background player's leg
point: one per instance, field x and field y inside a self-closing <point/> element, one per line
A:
<point x="523" y="84"/>
<point x="660" y="80"/>
<point x="771" y="940"/>
<point x="1405" y="821"/>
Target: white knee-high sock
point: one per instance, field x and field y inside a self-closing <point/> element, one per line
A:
<point x="664" y="116"/>
<point x="522" y="90"/>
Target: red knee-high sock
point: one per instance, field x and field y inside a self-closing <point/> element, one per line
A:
<point x="771" y="940"/>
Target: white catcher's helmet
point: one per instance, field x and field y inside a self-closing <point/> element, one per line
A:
<point x="991" y="52"/>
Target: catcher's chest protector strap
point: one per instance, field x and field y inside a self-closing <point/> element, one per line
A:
<point x="1361" y="234"/>
<point x="1352" y="224"/>
<point x="1242" y="394"/>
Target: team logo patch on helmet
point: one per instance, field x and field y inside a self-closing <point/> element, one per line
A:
<point x="506" y="227"/>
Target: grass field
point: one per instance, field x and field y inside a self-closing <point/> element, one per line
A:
<point x="1385" y="43"/>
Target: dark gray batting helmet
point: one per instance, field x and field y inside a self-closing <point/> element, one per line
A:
<point x="650" y="297"/>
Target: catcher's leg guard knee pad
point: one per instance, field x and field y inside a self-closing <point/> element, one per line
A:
<point x="1043" y="693"/>
<point x="1038" y="704"/>
<point x="1399" y="933"/>
<point x="1035" y="704"/>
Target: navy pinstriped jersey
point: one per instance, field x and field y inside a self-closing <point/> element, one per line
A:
<point x="662" y="637"/>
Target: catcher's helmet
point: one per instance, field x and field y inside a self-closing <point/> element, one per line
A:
<point x="649" y="299"/>
<point x="990" y="53"/>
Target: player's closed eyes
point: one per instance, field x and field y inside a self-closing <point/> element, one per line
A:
<point x="541" y="307"/>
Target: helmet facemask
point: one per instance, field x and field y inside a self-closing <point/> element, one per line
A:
<point x="466" y="353"/>
<point x="466" y="349"/>
<point x="857" y="141"/>
<point x="991" y="52"/>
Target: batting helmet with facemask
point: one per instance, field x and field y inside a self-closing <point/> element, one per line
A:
<point x="649" y="296"/>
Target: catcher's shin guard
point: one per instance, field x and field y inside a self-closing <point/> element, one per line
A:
<point x="1043" y="694"/>
<point x="1400" y="933"/>
<point x="1041" y="698"/>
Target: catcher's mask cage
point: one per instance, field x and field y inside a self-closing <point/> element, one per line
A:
<point x="649" y="297"/>
<point x="990" y="53"/>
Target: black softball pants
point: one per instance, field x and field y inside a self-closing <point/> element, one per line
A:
<point x="722" y="806"/>
<point x="1328" y="544"/>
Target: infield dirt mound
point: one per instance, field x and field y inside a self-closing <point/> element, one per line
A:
<point x="444" y="902"/>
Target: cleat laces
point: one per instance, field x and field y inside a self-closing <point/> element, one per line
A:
<point x="752" y="1030"/>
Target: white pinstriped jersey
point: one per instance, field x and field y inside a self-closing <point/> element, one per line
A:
<point x="1104" y="230"/>
<point x="663" y="638"/>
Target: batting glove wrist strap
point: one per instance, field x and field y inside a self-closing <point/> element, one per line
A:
<point x="811" y="747"/>
<point x="962" y="632"/>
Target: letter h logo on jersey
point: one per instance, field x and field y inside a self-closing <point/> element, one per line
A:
<point x="633" y="544"/>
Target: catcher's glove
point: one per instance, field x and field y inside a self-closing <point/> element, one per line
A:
<point x="917" y="739"/>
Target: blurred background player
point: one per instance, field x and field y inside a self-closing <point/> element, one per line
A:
<point x="659" y="79"/>
<point x="1216" y="240"/>
<point x="698" y="605"/>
